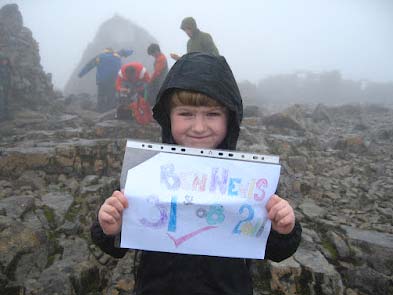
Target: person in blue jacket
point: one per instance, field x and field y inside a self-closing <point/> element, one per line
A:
<point x="108" y="65"/>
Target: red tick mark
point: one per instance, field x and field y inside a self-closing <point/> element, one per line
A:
<point x="186" y="237"/>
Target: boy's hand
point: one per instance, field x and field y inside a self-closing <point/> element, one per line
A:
<point x="281" y="214"/>
<point x="110" y="214"/>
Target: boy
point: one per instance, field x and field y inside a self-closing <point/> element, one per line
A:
<point x="199" y="105"/>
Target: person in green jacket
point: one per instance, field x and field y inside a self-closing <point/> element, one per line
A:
<point x="199" y="41"/>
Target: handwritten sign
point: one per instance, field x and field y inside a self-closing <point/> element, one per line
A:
<point x="199" y="205"/>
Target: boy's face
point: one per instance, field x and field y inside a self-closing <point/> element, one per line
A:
<point x="199" y="127"/>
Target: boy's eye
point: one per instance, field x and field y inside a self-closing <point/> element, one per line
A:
<point x="214" y="114"/>
<point x="185" y="114"/>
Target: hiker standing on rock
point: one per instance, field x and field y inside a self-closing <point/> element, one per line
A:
<point x="199" y="105"/>
<point x="5" y="87"/>
<point x="199" y="41"/>
<point x="108" y="65"/>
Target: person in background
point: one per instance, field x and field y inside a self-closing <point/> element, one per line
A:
<point x="199" y="105"/>
<point x="160" y="71"/>
<point x="131" y="85"/>
<point x="199" y="41"/>
<point x="108" y="65"/>
<point x="5" y="87"/>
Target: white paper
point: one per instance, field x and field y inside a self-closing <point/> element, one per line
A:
<point x="199" y="205"/>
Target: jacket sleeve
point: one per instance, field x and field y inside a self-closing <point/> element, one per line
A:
<point x="159" y="66"/>
<point x="209" y="45"/>
<point x="280" y="247"/>
<point x="104" y="242"/>
<point x="89" y="66"/>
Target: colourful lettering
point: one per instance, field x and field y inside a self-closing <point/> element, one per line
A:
<point x="232" y="189"/>
<point x="173" y="214"/>
<point x="199" y="183"/>
<point x="216" y="181"/>
<point x="250" y="216"/>
<point x="169" y="178"/>
<point x="260" y="185"/>
<point x="163" y="215"/>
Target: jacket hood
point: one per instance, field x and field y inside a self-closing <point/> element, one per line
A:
<point x="207" y="74"/>
<point x="189" y="23"/>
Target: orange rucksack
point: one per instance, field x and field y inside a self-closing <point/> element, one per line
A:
<point x="141" y="111"/>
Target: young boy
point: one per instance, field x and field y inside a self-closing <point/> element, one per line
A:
<point x="199" y="105"/>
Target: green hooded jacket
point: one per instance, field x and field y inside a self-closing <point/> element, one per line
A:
<point x="199" y="41"/>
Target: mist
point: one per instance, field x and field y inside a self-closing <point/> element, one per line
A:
<point x="258" y="38"/>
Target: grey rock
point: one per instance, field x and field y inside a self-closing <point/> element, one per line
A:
<point x="324" y="279"/>
<point x="311" y="209"/>
<point x="59" y="202"/>
<point x="374" y="248"/>
<point x="16" y="206"/>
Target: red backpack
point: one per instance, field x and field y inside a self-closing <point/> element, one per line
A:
<point x="141" y="111"/>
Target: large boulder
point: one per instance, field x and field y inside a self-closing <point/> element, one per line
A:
<point x="31" y="86"/>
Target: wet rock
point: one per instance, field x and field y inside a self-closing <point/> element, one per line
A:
<point x="372" y="247"/>
<point x="352" y="144"/>
<point x="298" y="163"/>
<point x="318" y="274"/>
<point x="36" y="179"/>
<point x="282" y="122"/>
<point x="343" y="250"/>
<point x="16" y="206"/>
<point x="311" y="209"/>
<point x="285" y="276"/>
<point x="251" y="111"/>
<point x="321" y="114"/>
<point x="31" y="86"/>
<point x="24" y="250"/>
<point x="60" y="203"/>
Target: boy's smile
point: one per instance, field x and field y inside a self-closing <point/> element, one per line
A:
<point x="199" y="126"/>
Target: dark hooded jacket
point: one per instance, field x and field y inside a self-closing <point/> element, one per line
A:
<point x="169" y="273"/>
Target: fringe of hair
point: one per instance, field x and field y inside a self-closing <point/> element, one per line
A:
<point x="190" y="98"/>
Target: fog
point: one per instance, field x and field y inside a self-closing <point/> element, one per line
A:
<point x="259" y="38"/>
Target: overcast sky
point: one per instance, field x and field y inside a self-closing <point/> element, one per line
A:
<point x="258" y="37"/>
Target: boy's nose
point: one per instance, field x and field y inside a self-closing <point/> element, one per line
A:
<point x="199" y="124"/>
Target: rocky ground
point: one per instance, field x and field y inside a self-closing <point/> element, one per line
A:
<point x="59" y="160"/>
<point x="56" y="169"/>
